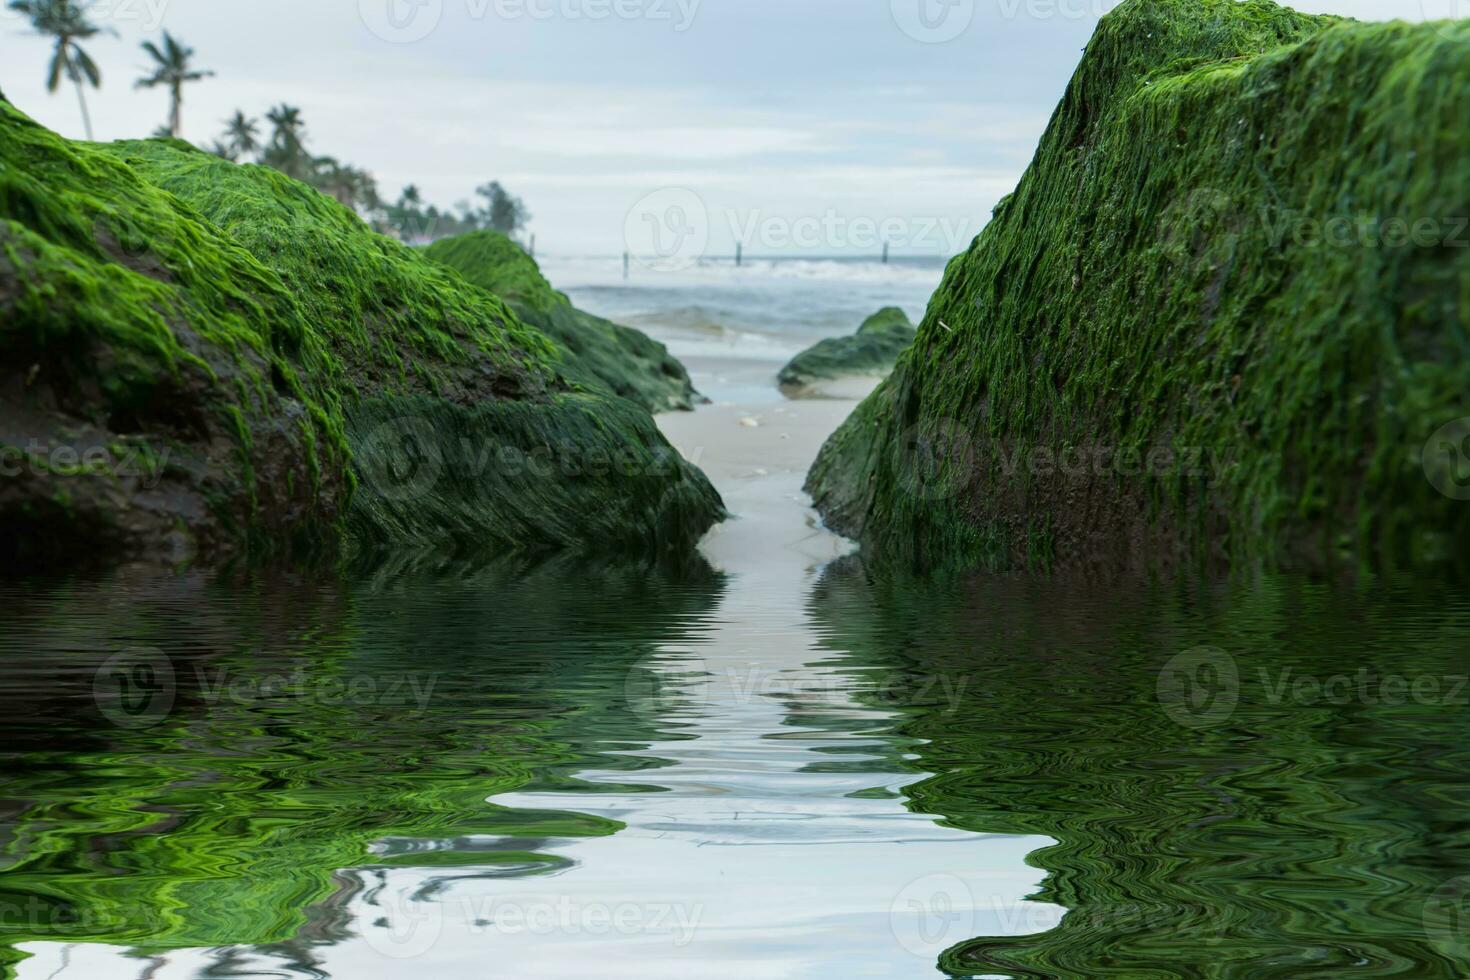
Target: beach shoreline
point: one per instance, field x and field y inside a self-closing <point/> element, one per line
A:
<point x="756" y="446"/>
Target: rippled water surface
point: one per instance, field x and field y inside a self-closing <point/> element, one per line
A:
<point x="514" y="771"/>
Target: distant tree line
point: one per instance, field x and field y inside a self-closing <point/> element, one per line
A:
<point x="65" y="23"/>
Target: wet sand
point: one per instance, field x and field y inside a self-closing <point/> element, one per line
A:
<point x="756" y="446"/>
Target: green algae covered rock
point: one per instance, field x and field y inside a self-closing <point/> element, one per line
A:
<point x="1222" y="317"/>
<point x="871" y="351"/>
<point x="203" y="359"/>
<point x="601" y="353"/>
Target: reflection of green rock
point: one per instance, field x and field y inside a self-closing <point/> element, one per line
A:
<point x="601" y="353"/>
<point x="1295" y="836"/>
<point x="871" y="351"/>
<point x="253" y="811"/>
<point x="1155" y="286"/>
<point x="197" y="355"/>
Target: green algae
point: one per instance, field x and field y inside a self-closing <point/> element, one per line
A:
<point x="313" y="737"/>
<point x="873" y="350"/>
<point x="156" y="293"/>
<point x="1312" y="828"/>
<point x="600" y="353"/>
<point x="1151" y="288"/>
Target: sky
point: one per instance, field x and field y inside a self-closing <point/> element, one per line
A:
<point x="816" y="127"/>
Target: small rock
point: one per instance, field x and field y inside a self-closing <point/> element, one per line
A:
<point x="750" y="423"/>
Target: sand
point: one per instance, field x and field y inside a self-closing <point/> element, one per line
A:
<point x="756" y="446"/>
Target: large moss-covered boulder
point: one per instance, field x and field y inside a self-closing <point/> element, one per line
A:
<point x="871" y="352"/>
<point x="202" y="359"/>
<point x="601" y="353"/>
<point x="1224" y="314"/>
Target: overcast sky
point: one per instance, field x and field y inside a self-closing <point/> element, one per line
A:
<point x="815" y="126"/>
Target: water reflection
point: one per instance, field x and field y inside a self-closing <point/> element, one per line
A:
<point x="552" y="770"/>
<point x="1261" y="778"/>
<point x="489" y="771"/>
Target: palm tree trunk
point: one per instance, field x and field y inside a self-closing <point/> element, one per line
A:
<point x="82" y="101"/>
<point x="176" y="114"/>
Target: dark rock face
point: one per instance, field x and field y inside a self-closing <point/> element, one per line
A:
<point x="1222" y="318"/>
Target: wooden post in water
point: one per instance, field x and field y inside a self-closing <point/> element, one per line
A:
<point x="625" y="265"/>
<point x="885" y="253"/>
<point x="739" y="254"/>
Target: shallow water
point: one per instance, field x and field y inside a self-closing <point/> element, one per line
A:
<point x="766" y="308"/>
<point x="791" y="767"/>
<point x="477" y="771"/>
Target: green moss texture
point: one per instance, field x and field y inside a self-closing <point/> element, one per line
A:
<point x="1222" y="317"/>
<point x="601" y="354"/>
<point x="871" y="351"/>
<point x="200" y="360"/>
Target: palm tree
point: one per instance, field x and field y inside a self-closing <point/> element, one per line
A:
<point x="241" y="135"/>
<point x="66" y="21"/>
<point x="171" y="68"/>
<point x="287" y="150"/>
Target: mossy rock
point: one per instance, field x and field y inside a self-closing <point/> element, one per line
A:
<point x="1143" y="360"/>
<point x="194" y="352"/>
<point x="601" y="353"/>
<point x="871" y="352"/>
